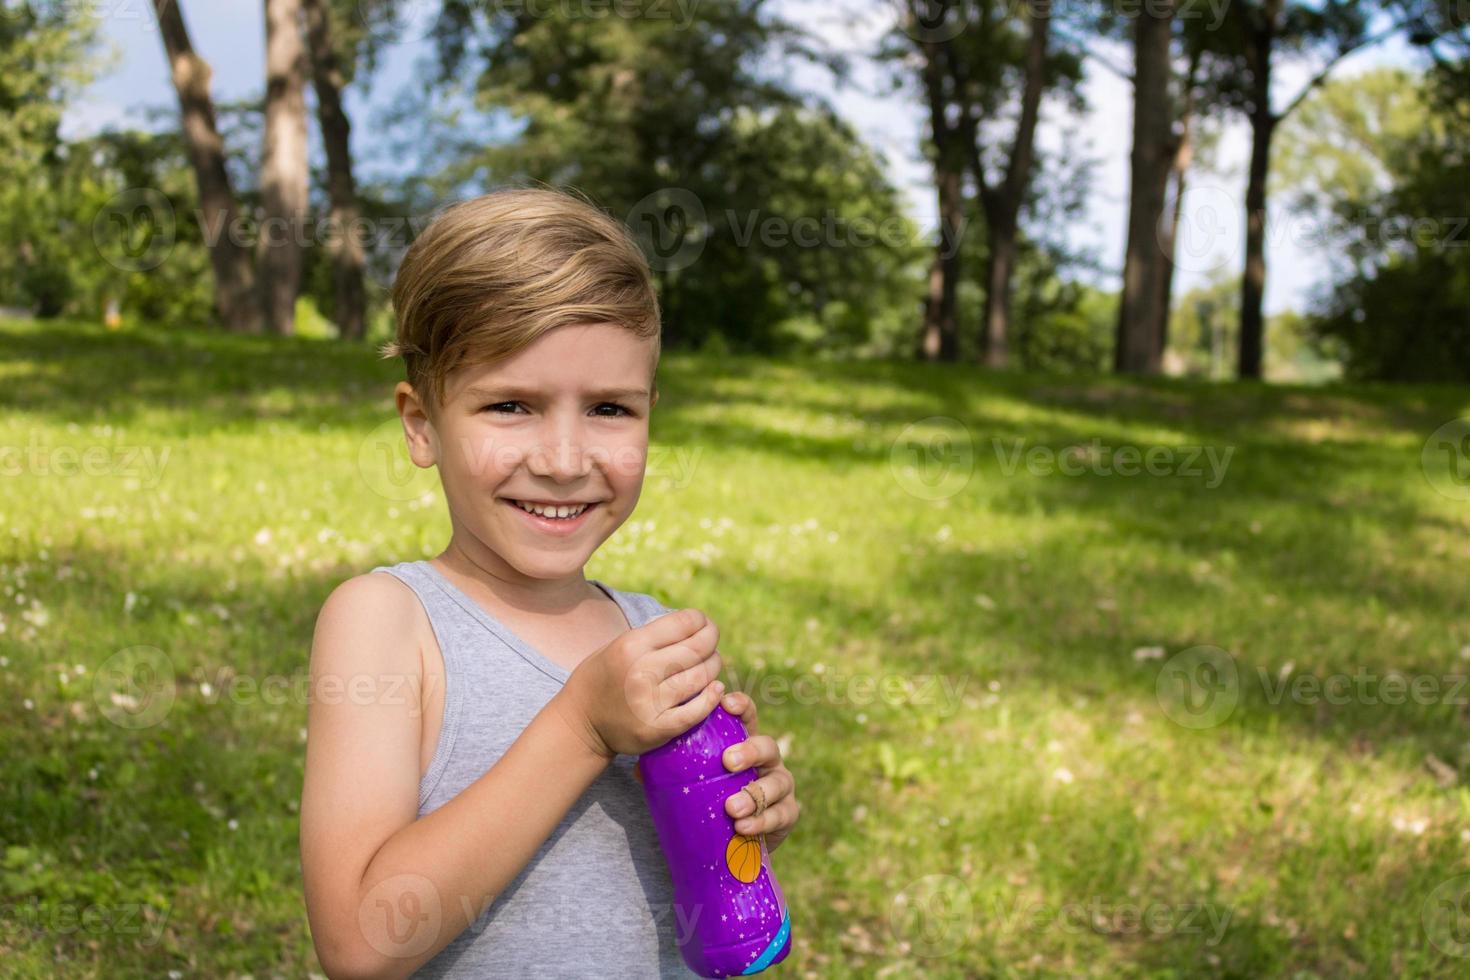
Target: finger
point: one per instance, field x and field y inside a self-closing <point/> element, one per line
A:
<point x="686" y="716"/>
<point x="780" y="816"/>
<point x="670" y="628"/>
<point x="682" y="654"/>
<point x="742" y="705"/>
<point x="756" y="752"/>
<point x="776" y="785"/>
<point x="687" y="683"/>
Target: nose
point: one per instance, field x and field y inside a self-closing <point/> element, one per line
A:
<point x="560" y="453"/>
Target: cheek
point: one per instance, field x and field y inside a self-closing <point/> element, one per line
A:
<point x="627" y="460"/>
<point x="482" y="458"/>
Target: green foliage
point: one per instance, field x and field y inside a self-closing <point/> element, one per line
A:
<point x="1386" y="161"/>
<point x="792" y="237"/>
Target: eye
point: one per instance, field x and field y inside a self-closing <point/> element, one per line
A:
<point x="499" y="405"/>
<point x="618" y="409"/>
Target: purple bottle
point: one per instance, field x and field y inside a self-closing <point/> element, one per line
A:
<point x="729" y="913"/>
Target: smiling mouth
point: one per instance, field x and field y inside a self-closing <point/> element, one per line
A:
<point x="553" y="512"/>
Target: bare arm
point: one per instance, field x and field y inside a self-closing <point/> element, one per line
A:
<point x="385" y="889"/>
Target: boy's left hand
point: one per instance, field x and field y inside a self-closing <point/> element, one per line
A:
<point x="759" y="751"/>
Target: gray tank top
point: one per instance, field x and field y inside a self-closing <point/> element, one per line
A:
<point x="596" y="899"/>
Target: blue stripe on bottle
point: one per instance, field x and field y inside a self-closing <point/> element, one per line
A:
<point x="764" y="960"/>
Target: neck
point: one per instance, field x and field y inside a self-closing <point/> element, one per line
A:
<point x="471" y="559"/>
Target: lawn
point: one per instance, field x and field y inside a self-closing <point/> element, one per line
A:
<point x="1077" y="676"/>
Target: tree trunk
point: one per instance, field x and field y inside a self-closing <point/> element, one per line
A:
<point x="1263" y="126"/>
<point x="1182" y="157"/>
<point x="345" y="244"/>
<point x="941" y="319"/>
<point x="283" y="172"/>
<point x="1003" y="205"/>
<point x="1179" y="177"/>
<point x="234" y="278"/>
<point x="940" y="335"/>
<point x="1000" y="265"/>
<point x="1143" y="266"/>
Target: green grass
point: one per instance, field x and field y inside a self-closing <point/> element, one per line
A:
<point x="1027" y="806"/>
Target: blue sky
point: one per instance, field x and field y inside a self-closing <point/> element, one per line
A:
<point x="230" y="35"/>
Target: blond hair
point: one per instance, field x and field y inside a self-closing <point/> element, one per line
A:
<point x="492" y="274"/>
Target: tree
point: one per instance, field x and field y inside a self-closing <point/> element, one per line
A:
<point x="1140" y="318"/>
<point x="1382" y="156"/>
<point x="234" y="276"/>
<point x="1260" y="33"/>
<point x="980" y="64"/>
<point x="46" y="57"/>
<point x="768" y="221"/>
<point x="348" y="260"/>
<point x="950" y="142"/>
<point x="1002" y="199"/>
<point x="283" y="168"/>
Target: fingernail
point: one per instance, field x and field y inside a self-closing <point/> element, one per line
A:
<point x="743" y="804"/>
<point x="719" y="687"/>
<point x="734" y="758"/>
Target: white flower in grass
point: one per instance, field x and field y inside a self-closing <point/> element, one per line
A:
<point x="1063" y="775"/>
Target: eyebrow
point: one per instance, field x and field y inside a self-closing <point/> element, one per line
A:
<point x="511" y="391"/>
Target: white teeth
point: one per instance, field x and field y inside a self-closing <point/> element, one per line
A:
<point x="558" y="513"/>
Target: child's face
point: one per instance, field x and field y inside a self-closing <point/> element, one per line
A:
<point x="565" y="421"/>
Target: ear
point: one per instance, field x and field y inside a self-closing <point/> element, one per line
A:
<point x="418" y="427"/>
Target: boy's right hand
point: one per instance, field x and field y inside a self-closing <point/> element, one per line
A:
<point x="628" y="697"/>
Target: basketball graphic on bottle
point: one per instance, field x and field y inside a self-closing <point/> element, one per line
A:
<point x="743" y="857"/>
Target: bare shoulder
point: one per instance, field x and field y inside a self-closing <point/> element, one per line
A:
<point x="372" y="619"/>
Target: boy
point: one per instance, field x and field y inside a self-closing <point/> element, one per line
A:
<point x="489" y="822"/>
